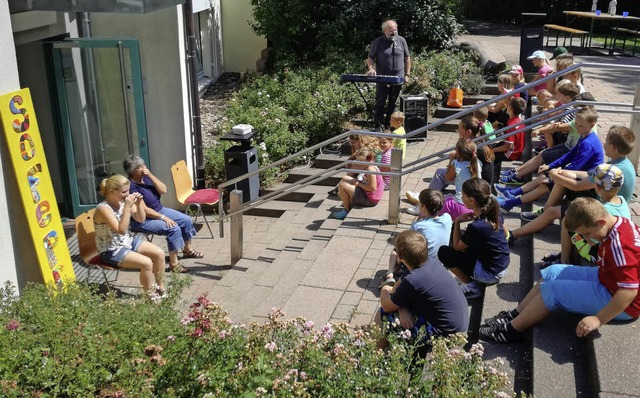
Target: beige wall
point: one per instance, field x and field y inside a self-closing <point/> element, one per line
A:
<point x="241" y="45"/>
<point x="9" y="198"/>
<point x="164" y="91"/>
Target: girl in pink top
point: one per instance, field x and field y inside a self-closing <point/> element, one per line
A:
<point x="366" y="191"/>
<point x="539" y="59"/>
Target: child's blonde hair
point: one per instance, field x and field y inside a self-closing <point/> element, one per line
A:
<point x="369" y="141"/>
<point x="563" y="63"/>
<point x="113" y="183"/>
<point x="397" y="115"/>
<point x="365" y="153"/>
<point x="412" y="248"/>
<point x="466" y="151"/>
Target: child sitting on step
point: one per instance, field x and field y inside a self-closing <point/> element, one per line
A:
<point x="365" y="192"/>
<point x="426" y="300"/>
<point x="463" y="165"/>
<point x="481" y="253"/>
<point x="603" y="293"/>
<point x="436" y="229"/>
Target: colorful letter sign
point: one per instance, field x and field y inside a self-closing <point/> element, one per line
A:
<point x="34" y="183"/>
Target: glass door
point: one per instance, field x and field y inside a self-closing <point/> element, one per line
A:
<point x="101" y="105"/>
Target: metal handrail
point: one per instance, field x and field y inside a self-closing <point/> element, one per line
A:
<point x="339" y="168"/>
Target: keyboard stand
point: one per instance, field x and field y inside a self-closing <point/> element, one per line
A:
<point x="369" y="108"/>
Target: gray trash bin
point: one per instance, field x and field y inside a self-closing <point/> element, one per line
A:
<point x="240" y="160"/>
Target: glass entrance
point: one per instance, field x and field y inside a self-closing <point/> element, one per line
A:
<point x="100" y="96"/>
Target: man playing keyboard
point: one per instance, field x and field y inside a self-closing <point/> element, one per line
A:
<point x="390" y="56"/>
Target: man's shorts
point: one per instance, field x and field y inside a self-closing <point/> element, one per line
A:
<point x="116" y="257"/>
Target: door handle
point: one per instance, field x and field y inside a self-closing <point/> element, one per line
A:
<point x="143" y="142"/>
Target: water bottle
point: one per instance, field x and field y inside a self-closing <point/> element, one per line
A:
<point x="594" y="6"/>
<point x="612" y="7"/>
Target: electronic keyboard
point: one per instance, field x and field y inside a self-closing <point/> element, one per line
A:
<point x="361" y="78"/>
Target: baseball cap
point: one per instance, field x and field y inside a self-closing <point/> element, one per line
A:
<point x="516" y="70"/>
<point x="606" y="176"/>
<point x="538" y="54"/>
<point x="559" y="51"/>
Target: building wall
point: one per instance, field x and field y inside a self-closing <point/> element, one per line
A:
<point x="242" y="47"/>
<point x="164" y="86"/>
<point x="9" y="82"/>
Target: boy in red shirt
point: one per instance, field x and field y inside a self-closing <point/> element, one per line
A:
<point x="511" y="148"/>
<point x="603" y="293"/>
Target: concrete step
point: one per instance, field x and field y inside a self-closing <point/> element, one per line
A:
<point x="325" y="161"/>
<point x="442" y="112"/>
<point x="449" y="127"/>
<point x="490" y="89"/>
<point x="299" y="174"/>
<point x="505" y="296"/>
<point x="558" y="354"/>
<point x="472" y="99"/>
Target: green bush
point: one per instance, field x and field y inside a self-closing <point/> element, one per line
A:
<point x="77" y="344"/>
<point x="436" y="72"/>
<point x="316" y="31"/>
<point x="291" y="110"/>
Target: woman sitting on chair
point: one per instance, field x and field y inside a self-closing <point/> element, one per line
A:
<point x="115" y="243"/>
<point x="176" y="226"/>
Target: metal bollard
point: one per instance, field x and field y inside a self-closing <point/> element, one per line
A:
<point x="235" y="202"/>
<point x="394" y="186"/>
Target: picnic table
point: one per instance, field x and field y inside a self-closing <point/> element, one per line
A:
<point x="614" y="22"/>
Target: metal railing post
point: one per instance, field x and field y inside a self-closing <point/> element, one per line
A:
<point x="394" y="186"/>
<point x="634" y="156"/>
<point x="235" y="202"/>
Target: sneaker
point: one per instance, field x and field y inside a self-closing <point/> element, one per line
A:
<point x="333" y="192"/>
<point x="539" y="149"/>
<point x="413" y="197"/>
<point x="503" y="206"/>
<point x="502" y="318"/>
<point x="550" y="259"/>
<point x="508" y="172"/>
<point x="511" y="180"/>
<point x="340" y="215"/>
<point x="531" y="215"/>
<point x="503" y="191"/>
<point x="413" y="210"/>
<point x="499" y="334"/>
<point x="471" y="290"/>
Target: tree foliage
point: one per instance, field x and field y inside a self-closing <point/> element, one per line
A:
<point x="310" y="31"/>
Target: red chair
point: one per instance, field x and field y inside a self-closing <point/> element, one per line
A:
<point x="187" y="196"/>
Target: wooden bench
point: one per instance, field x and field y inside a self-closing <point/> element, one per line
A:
<point x="624" y="34"/>
<point x="567" y="32"/>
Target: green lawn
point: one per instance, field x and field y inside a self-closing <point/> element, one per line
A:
<point x="628" y="47"/>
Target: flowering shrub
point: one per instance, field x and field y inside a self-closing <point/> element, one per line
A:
<point x="78" y="344"/>
<point x="436" y="72"/>
<point x="214" y="357"/>
<point x="291" y="110"/>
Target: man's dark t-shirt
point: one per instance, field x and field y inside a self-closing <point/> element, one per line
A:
<point x="389" y="55"/>
<point x="431" y="292"/>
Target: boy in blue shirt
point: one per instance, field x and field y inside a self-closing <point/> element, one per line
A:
<point x="436" y="229"/>
<point x="587" y="154"/>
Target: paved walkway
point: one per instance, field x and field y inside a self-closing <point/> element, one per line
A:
<point x="325" y="269"/>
